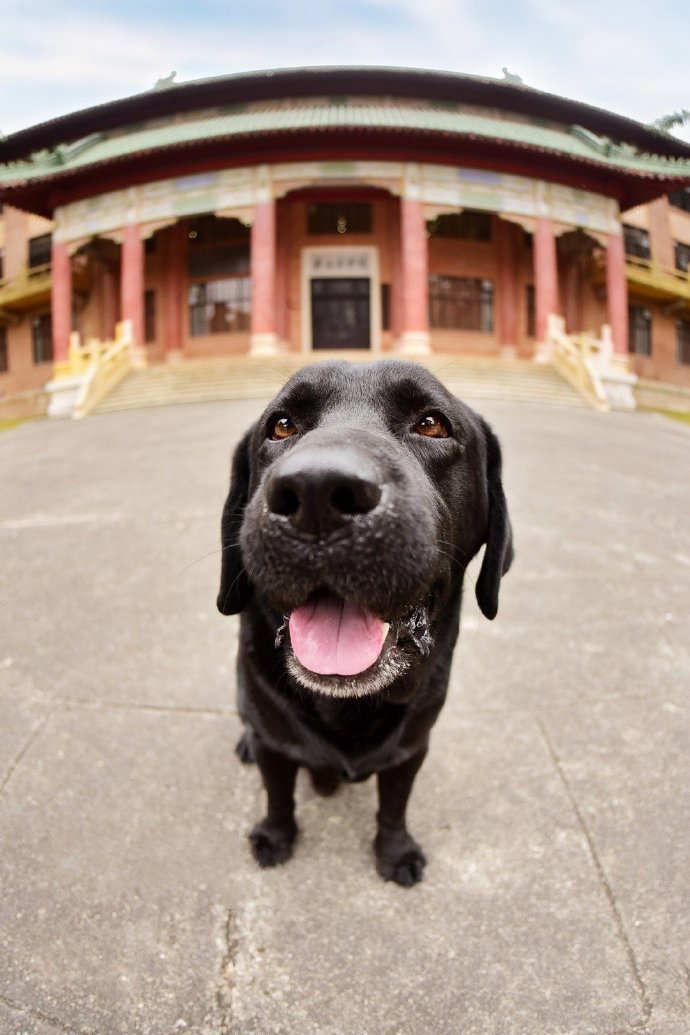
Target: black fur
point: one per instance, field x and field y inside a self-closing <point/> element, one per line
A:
<point x="357" y="502"/>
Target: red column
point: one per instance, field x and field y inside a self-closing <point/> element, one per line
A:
<point x="132" y="282"/>
<point x="174" y="301"/>
<point x="61" y="300"/>
<point x="414" y="275"/>
<point x="617" y="294"/>
<point x="282" y="277"/>
<point x="507" y="285"/>
<point x="545" y="274"/>
<point x="263" y="275"/>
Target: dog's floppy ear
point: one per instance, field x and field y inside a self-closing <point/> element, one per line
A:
<point x="235" y="587"/>
<point x="498" y="555"/>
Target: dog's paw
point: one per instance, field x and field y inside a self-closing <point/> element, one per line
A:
<point x="399" y="858"/>
<point x="325" y="781"/>
<point x="243" y="750"/>
<point x="272" y="845"/>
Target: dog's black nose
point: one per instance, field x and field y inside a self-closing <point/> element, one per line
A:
<point x="321" y="489"/>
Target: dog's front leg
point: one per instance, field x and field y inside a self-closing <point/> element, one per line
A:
<point x="398" y="856"/>
<point x="273" y="837"/>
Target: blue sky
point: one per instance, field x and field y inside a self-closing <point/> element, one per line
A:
<point x="632" y="58"/>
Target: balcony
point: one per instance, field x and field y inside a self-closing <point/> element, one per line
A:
<point x="651" y="279"/>
<point x="30" y="289"/>
<point x="648" y="279"/>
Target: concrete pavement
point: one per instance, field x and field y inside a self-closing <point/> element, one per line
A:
<point x="554" y="806"/>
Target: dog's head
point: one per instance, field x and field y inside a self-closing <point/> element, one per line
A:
<point x="355" y="504"/>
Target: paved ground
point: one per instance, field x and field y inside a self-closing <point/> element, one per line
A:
<point x="554" y="806"/>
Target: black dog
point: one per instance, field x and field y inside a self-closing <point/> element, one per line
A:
<point x="355" y="505"/>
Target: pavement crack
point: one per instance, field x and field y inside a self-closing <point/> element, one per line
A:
<point x="226" y="979"/>
<point x="39" y="1015"/>
<point x="16" y="761"/>
<point x="645" y="1002"/>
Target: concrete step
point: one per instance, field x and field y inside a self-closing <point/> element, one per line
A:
<point x="252" y="378"/>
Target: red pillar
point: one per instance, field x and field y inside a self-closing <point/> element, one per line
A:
<point x="263" y="276"/>
<point x="507" y="285"/>
<point x="132" y="282"/>
<point x="175" y="294"/>
<point x="61" y="300"/>
<point x="282" y="277"/>
<point x="617" y="294"/>
<point x="414" y="276"/>
<point x="545" y="274"/>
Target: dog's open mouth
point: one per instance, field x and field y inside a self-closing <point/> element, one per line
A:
<point x="341" y="648"/>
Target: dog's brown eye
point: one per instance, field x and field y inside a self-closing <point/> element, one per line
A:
<point x="432" y="425"/>
<point x="283" y="428"/>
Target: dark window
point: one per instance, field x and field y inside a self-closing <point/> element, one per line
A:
<point x="149" y="316"/>
<point x="220" y="306"/>
<point x="352" y="217"/>
<point x="467" y="225"/>
<point x="218" y="247"/>
<point x="39" y="251"/>
<point x="149" y="245"/>
<point x="531" y="312"/>
<point x="461" y="303"/>
<point x="682" y="257"/>
<point x="639" y="330"/>
<point x="636" y="242"/>
<point x="680" y="198"/>
<point x="683" y="341"/>
<point x="42" y="338"/>
<point x="2" y="264"/>
<point x="219" y="262"/>
<point x="4" y="358"/>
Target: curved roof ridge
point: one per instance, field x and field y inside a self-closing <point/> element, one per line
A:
<point x="414" y="83"/>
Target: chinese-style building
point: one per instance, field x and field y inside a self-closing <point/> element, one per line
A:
<point x="376" y="209"/>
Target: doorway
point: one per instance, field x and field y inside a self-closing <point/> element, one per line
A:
<point x="340" y="312"/>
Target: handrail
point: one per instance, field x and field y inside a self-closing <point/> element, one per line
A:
<point x="103" y="365"/>
<point x="15" y="287"/>
<point x="657" y="269"/>
<point x="580" y="359"/>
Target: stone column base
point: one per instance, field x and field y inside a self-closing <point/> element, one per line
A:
<point x="543" y="351"/>
<point x="263" y="344"/>
<point x="509" y="352"/>
<point x="413" y="343"/>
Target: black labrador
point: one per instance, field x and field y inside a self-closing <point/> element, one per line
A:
<point x="356" y="502"/>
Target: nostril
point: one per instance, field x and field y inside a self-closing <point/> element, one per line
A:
<point x="356" y="498"/>
<point x="343" y="500"/>
<point x="285" y="502"/>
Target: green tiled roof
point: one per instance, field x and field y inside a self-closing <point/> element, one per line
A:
<point x="346" y="113"/>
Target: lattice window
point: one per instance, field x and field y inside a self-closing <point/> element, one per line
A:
<point x="461" y="303"/>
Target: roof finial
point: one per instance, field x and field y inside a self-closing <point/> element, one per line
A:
<point x="165" y="82"/>
<point x="511" y="77"/>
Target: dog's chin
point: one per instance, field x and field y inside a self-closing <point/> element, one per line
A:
<point x="391" y="664"/>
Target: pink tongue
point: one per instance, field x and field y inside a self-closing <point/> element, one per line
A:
<point x="332" y="637"/>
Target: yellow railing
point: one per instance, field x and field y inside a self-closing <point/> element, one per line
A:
<point x="29" y="282"/>
<point x="102" y="364"/>
<point x="665" y="279"/>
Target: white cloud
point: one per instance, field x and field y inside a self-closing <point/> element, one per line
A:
<point x="635" y="64"/>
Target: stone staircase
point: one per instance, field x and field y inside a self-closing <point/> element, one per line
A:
<point x="207" y="380"/>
